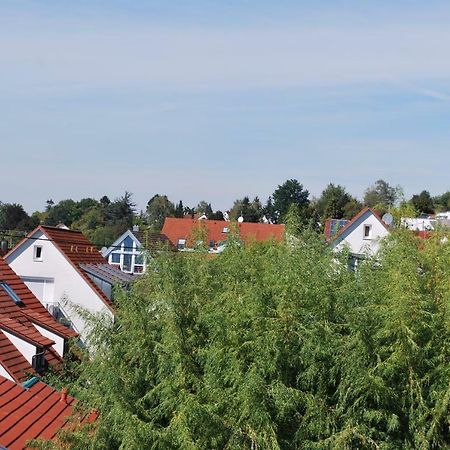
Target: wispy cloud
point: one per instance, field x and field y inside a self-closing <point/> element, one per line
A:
<point x="120" y="55"/>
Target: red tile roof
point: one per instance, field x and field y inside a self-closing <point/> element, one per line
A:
<point x="34" y="413"/>
<point x="175" y="229"/>
<point x="29" y="334"/>
<point x="20" y="320"/>
<point x="76" y="248"/>
<point x="13" y="361"/>
<point x="32" y="309"/>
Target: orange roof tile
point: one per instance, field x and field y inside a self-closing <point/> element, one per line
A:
<point x="175" y="229"/>
<point x="33" y="413"/>
<point x="29" y="334"/>
<point x="32" y="309"/>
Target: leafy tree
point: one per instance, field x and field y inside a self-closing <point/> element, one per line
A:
<point x="14" y="217"/>
<point x="179" y="210"/>
<point x="158" y="208"/>
<point x="277" y="346"/>
<point x="65" y="212"/>
<point x="250" y="211"/>
<point x="382" y="193"/>
<point x="290" y="192"/>
<point x="204" y="208"/>
<point x="442" y="202"/>
<point x="423" y="202"/>
<point x="333" y="203"/>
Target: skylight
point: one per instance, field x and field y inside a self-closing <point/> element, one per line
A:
<point x="14" y="297"/>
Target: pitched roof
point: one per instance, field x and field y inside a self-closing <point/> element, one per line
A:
<point x="354" y="220"/>
<point x="32" y="309"/>
<point x="77" y="249"/>
<point x="108" y="273"/>
<point x="13" y="361"/>
<point x="31" y="413"/>
<point x="28" y="334"/>
<point x="175" y="229"/>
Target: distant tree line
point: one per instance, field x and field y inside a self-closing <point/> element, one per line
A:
<point x="103" y="220"/>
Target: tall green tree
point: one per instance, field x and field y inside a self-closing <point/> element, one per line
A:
<point x="158" y="208"/>
<point x="382" y="194"/>
<point x="288" y="193"/>
<point x="423" y="203"/>
<point x="335" y="202"/>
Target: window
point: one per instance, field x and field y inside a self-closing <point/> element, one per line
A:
<point x="37" y="255"/>
<point x="367" y="231"/>
<point x="126" y="267"/>
<point x="212" y="243"/>
<point x="8" y="289"/>
<point x="38" y="362"/>
<point x="128" y="244"/>
<point x="225" y="230"/>
<point x="181" y="244"/>
<point x="115" y="258"/>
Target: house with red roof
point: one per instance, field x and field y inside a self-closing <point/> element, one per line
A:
<point x="362" y="235"/>
<point x="183" y="233"/>
<point x="67" y="274"/>
<point x="34" y="410"/>
<point x="30" y="338"/>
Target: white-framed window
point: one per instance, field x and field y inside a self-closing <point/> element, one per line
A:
<point x="181" y="244"/>
<point x="37" y="253"/>
<point x="367" y="231"/>
<point x="128" y="257"/>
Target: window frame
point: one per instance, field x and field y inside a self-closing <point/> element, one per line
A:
<point x="35" y="252"/>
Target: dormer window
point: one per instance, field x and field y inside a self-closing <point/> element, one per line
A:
<point x="9" y="290"/>
<point x="367" y="232"/>
<point x="37" y="253"/>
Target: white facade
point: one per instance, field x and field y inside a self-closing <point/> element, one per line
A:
<point x="25" y="348"/>
<point x="54" y="280"/>
<point x="4" y="373"/>
<point x="59" y="341"/>
<point x="362" y="236"/>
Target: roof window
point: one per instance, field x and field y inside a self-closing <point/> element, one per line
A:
<point x="225" y="230"/>
<point x="8" y="289"/>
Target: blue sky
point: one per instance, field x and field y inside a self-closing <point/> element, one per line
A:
<point x="216" y="100"/>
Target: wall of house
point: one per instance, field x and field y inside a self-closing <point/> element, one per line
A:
<point x="28" y="350"/>
<point x="353" y="237"/>
<point x="4" y="373"/>
<point x="68" y="288"/>
<point x="59" y="341"/>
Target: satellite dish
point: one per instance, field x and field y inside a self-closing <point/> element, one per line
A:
<point x="388" y="219"/>
<point x="240" y="219"/>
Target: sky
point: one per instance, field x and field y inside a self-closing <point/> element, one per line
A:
<point x="214" y="100"/>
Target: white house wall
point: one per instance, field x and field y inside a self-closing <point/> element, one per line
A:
<point x="25" y="348"/>
<point x="59" y="341"/>
<point x="69" y="287"/>
<point x="353" y="237"/>
<point x="4" y="373"/>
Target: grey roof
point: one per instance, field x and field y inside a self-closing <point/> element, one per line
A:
<point x="107" y="273"/>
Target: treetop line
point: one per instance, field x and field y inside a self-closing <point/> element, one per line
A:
<point x="103" y="220"/>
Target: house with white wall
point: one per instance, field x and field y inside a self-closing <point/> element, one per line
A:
<point x="67" y="274"/>
<point x="132" y="249"/>
<point x="30" y="338"/>
<point x="362" y="235"/>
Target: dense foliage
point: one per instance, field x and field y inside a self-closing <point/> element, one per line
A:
<point x="277" y="346"/>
